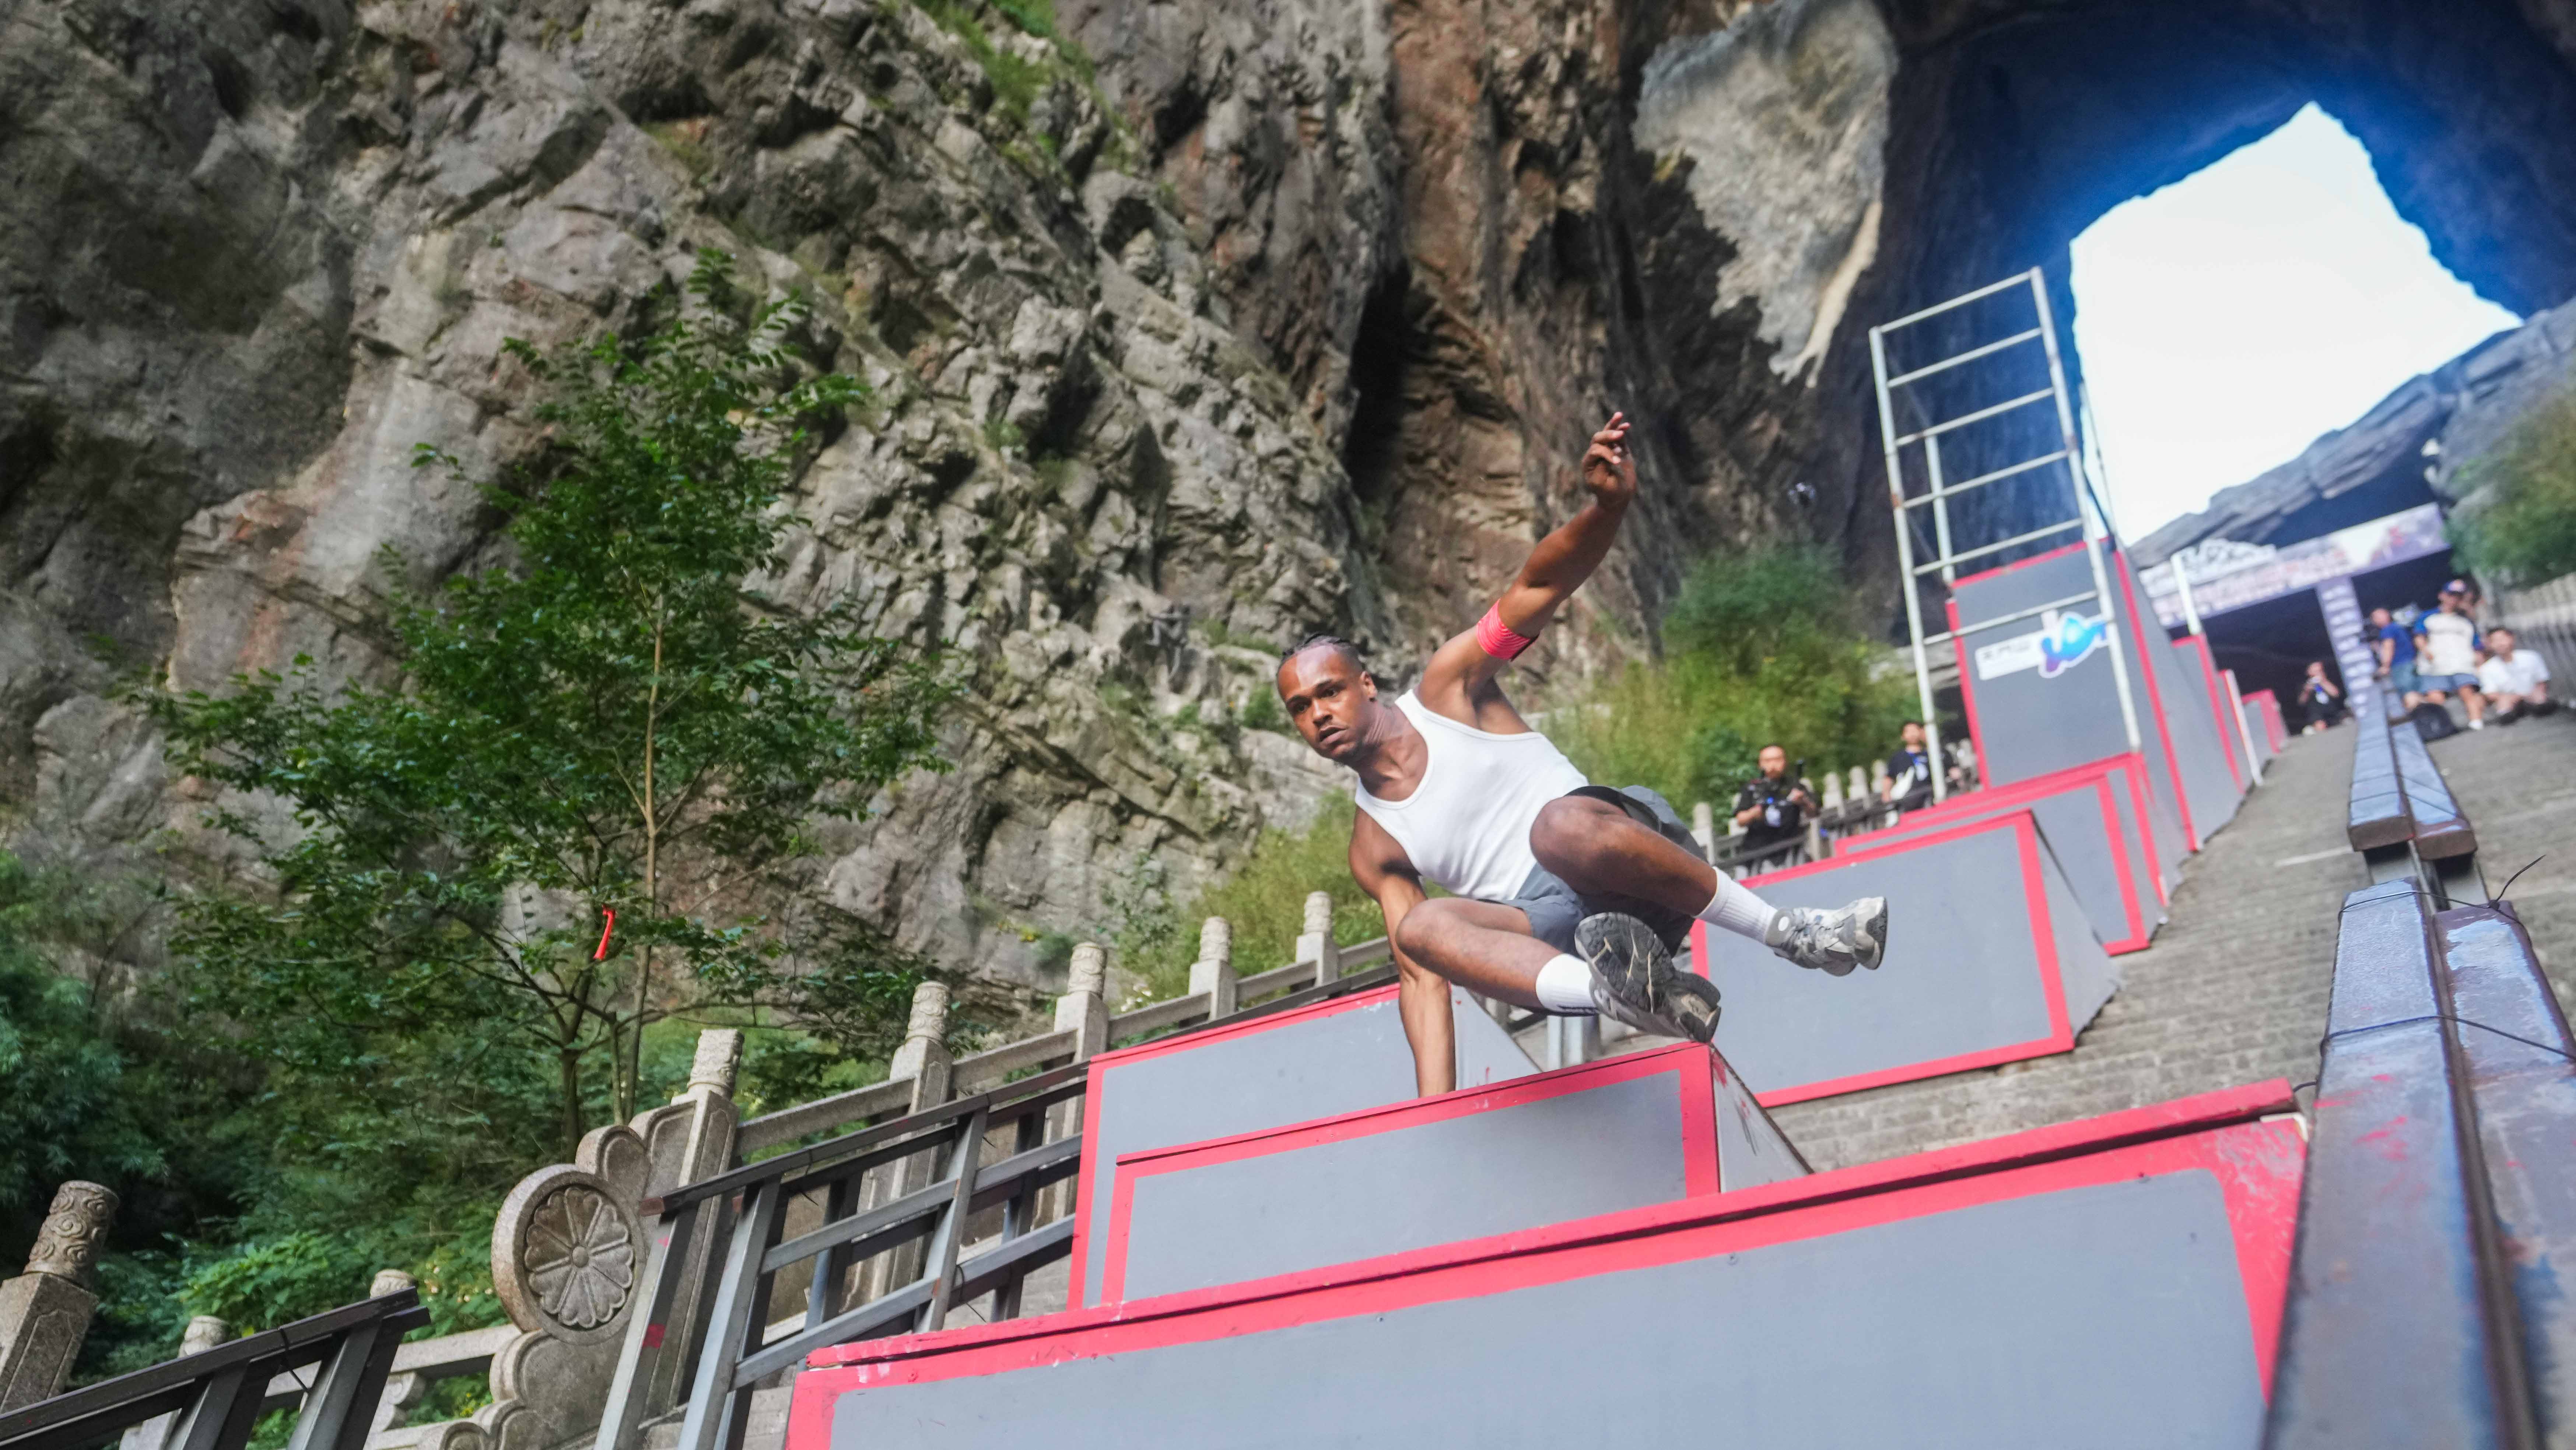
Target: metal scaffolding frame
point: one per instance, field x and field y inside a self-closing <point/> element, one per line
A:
<point x="2087" y="512"/>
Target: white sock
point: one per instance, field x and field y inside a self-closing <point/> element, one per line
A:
<point x="1565" y="986"/>
<point x="1740" y="911"/>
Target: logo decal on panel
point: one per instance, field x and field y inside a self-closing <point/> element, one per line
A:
<point x="2063" y="641"/>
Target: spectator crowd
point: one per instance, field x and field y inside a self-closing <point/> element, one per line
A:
<point x="2426" y="657"/>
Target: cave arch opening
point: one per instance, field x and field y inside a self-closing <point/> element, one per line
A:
<point x="2014" y="127"/>
<point x="2228" y="320"/>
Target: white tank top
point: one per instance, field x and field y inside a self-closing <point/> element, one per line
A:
<point x="1467" y="825"/>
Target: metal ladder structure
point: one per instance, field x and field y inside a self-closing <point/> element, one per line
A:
<point x="1976" y="395"/>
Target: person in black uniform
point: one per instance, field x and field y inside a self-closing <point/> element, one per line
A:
<point x="1772" y="808"/>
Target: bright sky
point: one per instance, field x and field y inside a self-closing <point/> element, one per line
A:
<point x="2229" y="319"/>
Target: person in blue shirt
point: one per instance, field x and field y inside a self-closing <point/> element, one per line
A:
<point x="2394" y="644"/>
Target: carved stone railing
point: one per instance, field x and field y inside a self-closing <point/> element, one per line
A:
<point x="45" y="1312"/>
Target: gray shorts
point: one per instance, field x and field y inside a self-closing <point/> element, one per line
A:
<point x="1554" y="909"/>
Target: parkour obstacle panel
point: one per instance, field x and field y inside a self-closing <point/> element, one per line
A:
<point x="2044" y="699"/>
<point x="2097" y="820"/>
<point x="1268" y="1072"/>
<point x="1992" y="960"/>
<point x="2123" y="1274"/>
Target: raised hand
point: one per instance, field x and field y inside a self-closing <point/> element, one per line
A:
<point x="1609" y="469"/>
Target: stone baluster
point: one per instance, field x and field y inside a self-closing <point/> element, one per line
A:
<point x="1704" y="826"/>
<point x="688" y="1139"/>
<point x="402" y="1391"/>
<point x="1083" y="1010"/>
<point x="1213" y="973"/>
<point x="45" y="1312"/>
<point x="1833" y="798"/>
<point x="203" y="1333"/>
<point x="924" y="1061"/>
<point x="707" y="1149"/>
<point x="1860" y="786"/>
<point x="1316" y="945"/>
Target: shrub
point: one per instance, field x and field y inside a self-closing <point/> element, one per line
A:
<point x="2522" y="523"/>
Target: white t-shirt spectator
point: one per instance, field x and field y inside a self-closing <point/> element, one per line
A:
<point x="2450" y="644"/>
<point x="2515" y="676"/>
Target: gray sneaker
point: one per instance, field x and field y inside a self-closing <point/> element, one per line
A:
<point x="1634" y="980"/>
<point x="1833" y="942"/>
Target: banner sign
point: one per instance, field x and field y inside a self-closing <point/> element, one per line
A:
<point x="2228" y="575"/>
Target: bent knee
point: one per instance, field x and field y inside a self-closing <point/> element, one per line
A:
<point x="1566" y="827"/>
<point x="1420" y="931"/>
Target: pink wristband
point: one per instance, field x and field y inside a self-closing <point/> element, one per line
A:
<point x="1498" y="638"/>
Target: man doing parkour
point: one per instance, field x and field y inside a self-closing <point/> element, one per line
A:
<point x="1570" y="897"/>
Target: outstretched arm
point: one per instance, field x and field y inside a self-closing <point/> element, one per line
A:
<point x="1459" y="680"/>
<point x="1385" y="872"/>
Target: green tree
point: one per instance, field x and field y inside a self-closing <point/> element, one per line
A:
<point x="615" y="720"/>
<point x="2521" y="524"/>
<point x="70" y="1111"/>
<point x="1761" y="646"/>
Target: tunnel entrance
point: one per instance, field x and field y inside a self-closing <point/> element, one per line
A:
<point x="2229" y="320"/>
<point x="2012" y="128"/>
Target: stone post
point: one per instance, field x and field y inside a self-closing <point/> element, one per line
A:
<point x="203" y="1333"/>
<point x="1213" y="972"/>
<point x="923" y="1059"/>
<point x="1860" y="786"/>
<point x="707" y="1150"/>
<point x="45" y="1312"/>
<point x="688" y="1139"/>
<point x="1316" y="944"/>
<point x="1083" y="1010"/>
<point x="1704" y="826"/>
<point x="1833" y="800"/>
<point x="924" y="1062"/>
<point x="402" y="1391"/>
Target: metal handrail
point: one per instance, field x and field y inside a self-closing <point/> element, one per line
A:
<point x="1048" y="1049"/>
<point x="720" y="1246"/>
<point x="218" y="1393"/>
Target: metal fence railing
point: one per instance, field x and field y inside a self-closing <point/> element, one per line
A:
<point x="330" y="1369"/>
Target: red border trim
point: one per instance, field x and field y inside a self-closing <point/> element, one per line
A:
<point x="2059" y="552"/>
<point x="1095" y="1090"/>
<point x="1986" y="797"/>
<point x="2218" y="1132"/>
<point x="2230" y="742"/>
<point x="2139" y="798"/>
<point x="2270" y="709"/>
<point x="2001" y="799"/>
<point x="2192" y="840"/>
<point x="1696" y="1090"/>
<point x="2052" y="985"/>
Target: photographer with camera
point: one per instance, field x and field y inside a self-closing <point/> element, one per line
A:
<point x="1772" y="808"/>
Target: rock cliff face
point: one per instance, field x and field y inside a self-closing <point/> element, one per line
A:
<point x="1191" y="325"/>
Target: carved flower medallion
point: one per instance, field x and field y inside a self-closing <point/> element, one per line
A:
<point x="580" y="1262"/>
